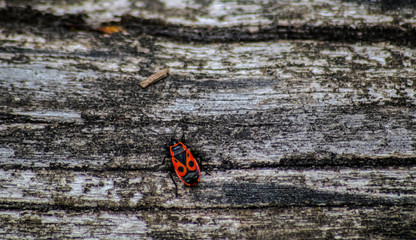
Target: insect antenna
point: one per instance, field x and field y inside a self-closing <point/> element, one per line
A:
<point x="174" y="132"/>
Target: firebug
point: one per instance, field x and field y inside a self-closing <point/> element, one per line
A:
<point x="185" y="165"/>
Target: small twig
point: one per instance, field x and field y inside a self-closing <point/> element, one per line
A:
<point x="154" y="78"/>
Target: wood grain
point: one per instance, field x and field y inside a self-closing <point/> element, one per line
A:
<point x="302" y="114"/>
<point x="281" y="108"/>
<point x="317" y="222"/>
<point x="223" y="189"/>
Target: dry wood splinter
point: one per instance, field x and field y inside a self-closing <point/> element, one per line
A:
<point x="154" y="78"/>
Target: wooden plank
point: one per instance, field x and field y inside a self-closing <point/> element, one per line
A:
<point x="288" y="105"/>
<point x="254" y="13"/>
<point x="237" y="204"/>
<point x="220" y="189"/>
<point x="309" y="137"/>
<point x="232" y="21"/>
<point x="292" y="223"/>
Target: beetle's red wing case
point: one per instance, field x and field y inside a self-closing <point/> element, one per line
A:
<point x="186" y="167"/>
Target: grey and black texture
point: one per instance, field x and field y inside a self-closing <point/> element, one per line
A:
<point x="304" y="114"/>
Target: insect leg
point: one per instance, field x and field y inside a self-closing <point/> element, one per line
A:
<point x="161" y="165"/>
<point x="176" y="186"/>
<point x="174" y="132"/>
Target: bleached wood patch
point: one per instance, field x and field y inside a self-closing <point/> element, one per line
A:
<point x="223" y="189"/>
<point x="253" y="14"/>
<point x="294" y="223"/>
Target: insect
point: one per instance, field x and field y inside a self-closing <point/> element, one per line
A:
<point x="183" y="162"/>
<point x="185" y="165"/>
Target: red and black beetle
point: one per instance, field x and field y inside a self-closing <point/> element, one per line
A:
<point x="185" y="165"/>
<point x="183" y="162"/>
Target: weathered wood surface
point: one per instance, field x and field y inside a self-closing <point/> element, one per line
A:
<point x="221" y="189"/>
<point x="308" y="137"/>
